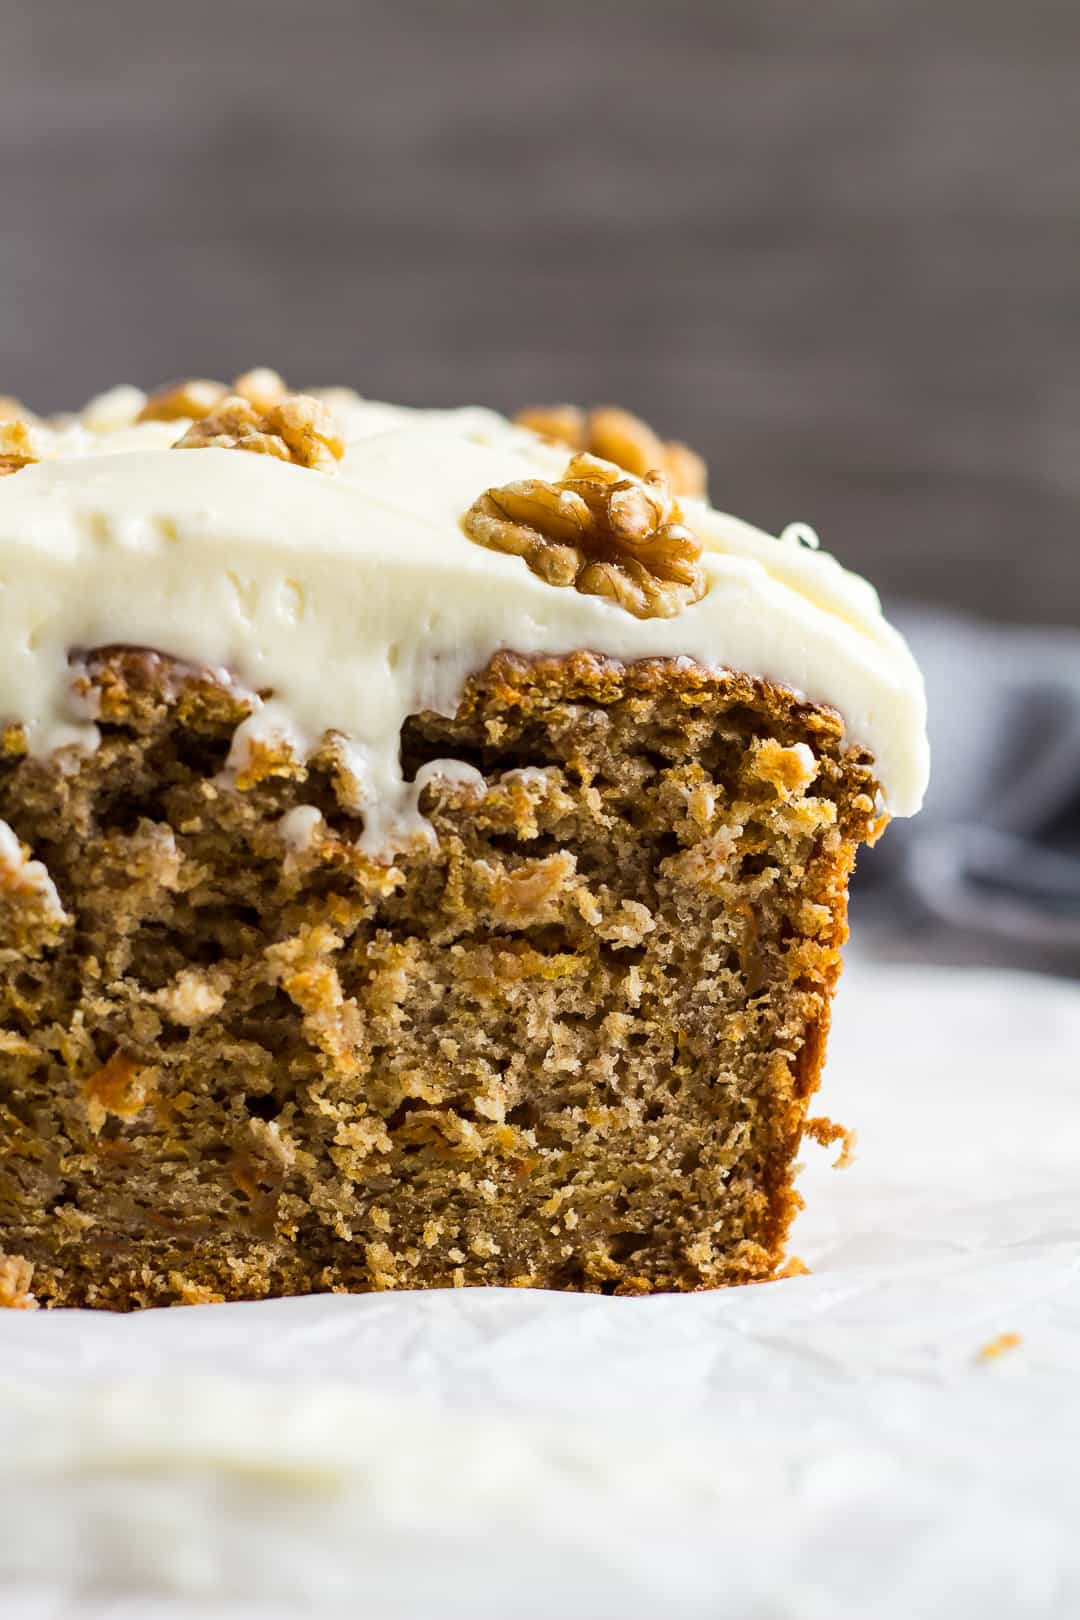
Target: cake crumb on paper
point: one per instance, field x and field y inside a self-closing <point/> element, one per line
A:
<point x="999" y="1346"/>
<point x="825" y="1132"/>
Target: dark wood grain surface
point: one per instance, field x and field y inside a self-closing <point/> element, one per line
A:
<point x="835" y="245"/>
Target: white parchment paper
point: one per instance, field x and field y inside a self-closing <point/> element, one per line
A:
<point x="829" y="1446"/>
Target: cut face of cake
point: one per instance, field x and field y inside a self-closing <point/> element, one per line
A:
<point x="424" y="847"/>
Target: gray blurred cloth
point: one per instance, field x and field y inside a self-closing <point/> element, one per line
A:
<point x="995" y="854"/>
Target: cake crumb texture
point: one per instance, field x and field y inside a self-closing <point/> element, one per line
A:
<point x="568" y="1041"/>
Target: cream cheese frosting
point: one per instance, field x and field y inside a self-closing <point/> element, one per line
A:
<point x="356" y="599"/>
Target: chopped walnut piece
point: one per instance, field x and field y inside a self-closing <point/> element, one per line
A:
<point x="298" y="428"/>
<point x="16" y="1275"/>
<point x="116" y="408"/>
<point x="563" y="424"/>
<point x="599" y="530"/>
<point x="262" y="388"/>
<point x="12" y="409"/>
<point x="687" y="470"/>
<point x="617" y="435"/>
<point x="18" y="446"/>
<point x="196" y="397"/>
<point x="183" y="401"/>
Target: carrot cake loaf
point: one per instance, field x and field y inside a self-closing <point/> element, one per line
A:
<point x="424" y="848"/>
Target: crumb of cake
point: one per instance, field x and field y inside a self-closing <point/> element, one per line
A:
<point x="600" y="530"/>
<point x="19" y="445"/>
<point x="998" y="1346"/>
<point x="297" y="428"/>
<point x="617" y="435"/>
<point x="826" y="1131"/>
<point x="16" y="1275"/>
<point x="793" y="1267"/>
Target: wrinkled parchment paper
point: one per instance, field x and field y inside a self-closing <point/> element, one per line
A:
<point x="895" y="1435"/>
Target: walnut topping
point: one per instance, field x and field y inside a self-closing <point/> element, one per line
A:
<point x="18" y="446"/>
<point x="599" y="530"/>
<point x="562" y="424"/>
<point x="12" y="409"/>
<point x="616" y="435"/>
<point x="116" y="408"/>
<point x="262" y="388"/>
<point x="297" y="428"/>
<point x="183" y="401"/>
<point x="196" y="397"/>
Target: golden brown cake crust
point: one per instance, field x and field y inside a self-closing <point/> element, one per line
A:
<point x="568" y="1043"/>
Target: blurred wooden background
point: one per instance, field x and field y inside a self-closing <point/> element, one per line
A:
<point x="835" y="245"/>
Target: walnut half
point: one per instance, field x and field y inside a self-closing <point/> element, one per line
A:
<point x="600" y="530"/>
<point x="297" y="428"/>
<point x="617" y="435"/>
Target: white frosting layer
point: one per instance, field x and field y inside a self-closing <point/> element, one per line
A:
<point x="356" y="599"/>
